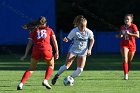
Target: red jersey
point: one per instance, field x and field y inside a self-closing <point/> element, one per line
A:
<point x="42" y="47"/>
<point x="128" y="40"/>
<point x="41" y="36"/>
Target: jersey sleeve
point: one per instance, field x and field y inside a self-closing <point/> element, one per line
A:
<point x="134" y="28"/>
<point x="71" y="34"/>
<point x="91" y="35"/>
<point x="51" y="32"/>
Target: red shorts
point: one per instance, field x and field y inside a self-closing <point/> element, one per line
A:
<point x="44" y="52"/>
<point x="131" y="49"/>
<point x="128" y="44"/>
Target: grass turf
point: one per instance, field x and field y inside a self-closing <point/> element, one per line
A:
<point x="88" y="82"/>
<point x="102" y="74"/>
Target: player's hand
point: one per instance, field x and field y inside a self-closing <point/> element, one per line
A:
<point x="65" y="39"/>
<point x="128" y="32"/>
<point x="89" y="52"/>
<point x="56" y="55"/>
<point x="22" y="58"/>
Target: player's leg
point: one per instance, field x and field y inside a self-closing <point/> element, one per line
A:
<point x="124" y="52"/>
<point x="130" y="58"/>
<point x="46" y="52"/>
<point x="27" y="73"/>
<point x="49" y="72"/>
<point x="70" y="58"/>
<point x="81" y="60"/>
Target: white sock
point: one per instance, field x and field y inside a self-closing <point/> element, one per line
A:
<point x="126" y="76"/>
<point x="45" y="81"/>
<point x="21" y="85"/>
<point x="77" y="72"/>
<point x="62" y="69"/>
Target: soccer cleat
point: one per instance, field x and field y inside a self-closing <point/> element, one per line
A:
<point x="46" y="84"/>
<point x="126" y="77"/>
<point x="54" y="79"/>
<point x="20" y="86"/>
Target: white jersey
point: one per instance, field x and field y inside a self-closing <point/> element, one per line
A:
<point x="80" y="40"/>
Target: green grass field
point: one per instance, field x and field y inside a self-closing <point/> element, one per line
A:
<point x="102" y="74"/>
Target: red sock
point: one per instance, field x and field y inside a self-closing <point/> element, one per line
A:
<point x="25" y="76"/>
<point x="125" y="68"/>
<point x="48" y="73"/>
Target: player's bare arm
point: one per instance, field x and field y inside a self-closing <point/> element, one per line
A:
<point x="133" y="34"/>
<point x="28" y="47"/>
<point x="55" y="46"/>
<point x="90" y="46"/>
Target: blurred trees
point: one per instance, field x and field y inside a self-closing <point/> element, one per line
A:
<point x="102" y="15"/>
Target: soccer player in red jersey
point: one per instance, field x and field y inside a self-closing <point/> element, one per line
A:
<point x="40" y="36"/>
<point x="129" y="32"/>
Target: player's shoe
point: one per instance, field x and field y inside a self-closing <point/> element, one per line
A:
<point x="20" y="86"/>
<point x="46" y="84"/>
<point x="54" y="79"/>
<point x="126" y="77"/>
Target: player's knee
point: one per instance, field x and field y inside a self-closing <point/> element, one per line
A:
<point x="125" y="58"/>
<point x="51" y="65"/>
<point x="125" y="61"/>
<point x="32" y="68"/>
<point x="31" y="71"/>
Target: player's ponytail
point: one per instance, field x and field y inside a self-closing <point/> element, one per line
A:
<point x="35" y="24"/>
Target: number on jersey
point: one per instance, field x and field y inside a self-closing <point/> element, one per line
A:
<point x="126" y="37"/>
<point x="41" y="34"/>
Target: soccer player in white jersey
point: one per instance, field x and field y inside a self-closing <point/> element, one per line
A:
<point x="80" y="49"/>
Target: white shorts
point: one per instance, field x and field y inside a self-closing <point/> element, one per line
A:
<point x="79" y="53"/>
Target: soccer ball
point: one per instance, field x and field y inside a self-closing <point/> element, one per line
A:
<point x="68" y="81"/>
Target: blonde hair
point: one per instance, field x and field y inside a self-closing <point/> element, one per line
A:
<point x="77" y="20"/>
<point x="82" y="20"/>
